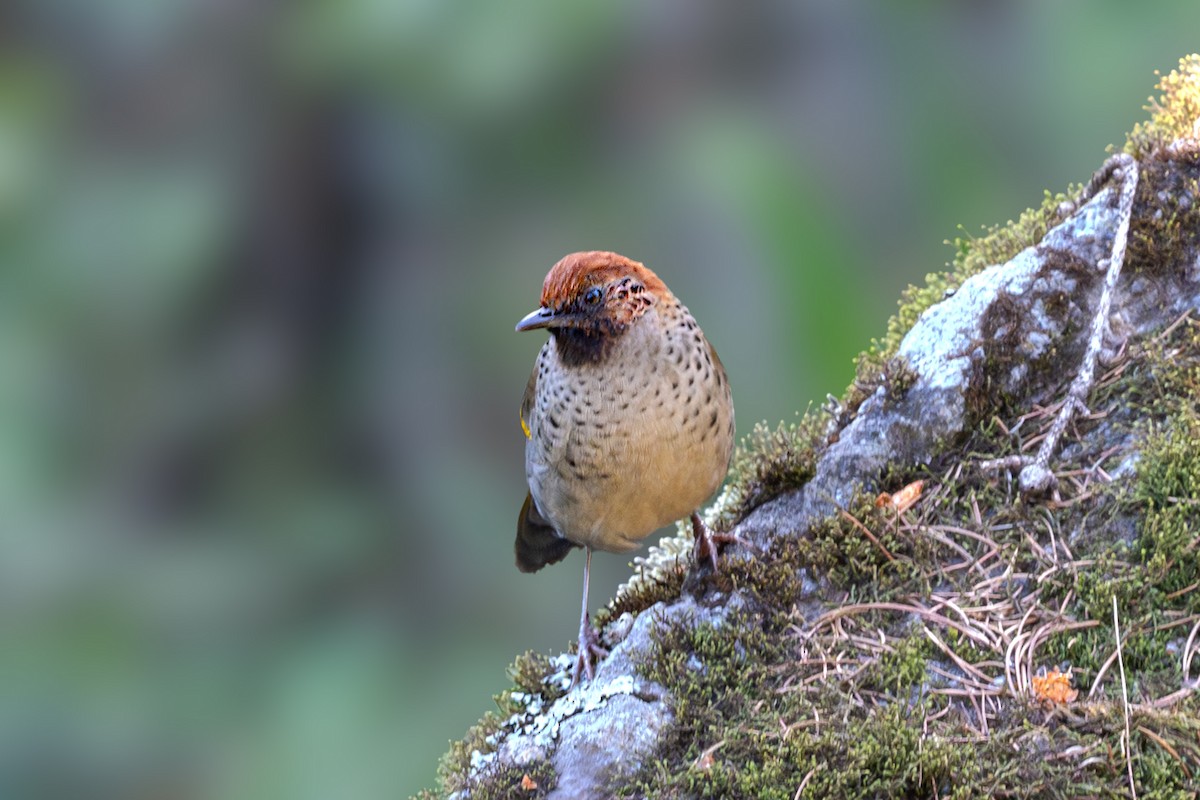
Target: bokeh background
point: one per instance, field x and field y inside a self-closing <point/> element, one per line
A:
<point x="259" y="268"/>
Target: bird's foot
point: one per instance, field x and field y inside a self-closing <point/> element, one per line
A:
<point x="589" y="649"/>
<point x="708" y="542"/>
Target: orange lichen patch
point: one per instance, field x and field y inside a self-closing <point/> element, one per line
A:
<point x="903" y="499"/>
<point x="528" y="784"/>
<point x="1054" y="686"/>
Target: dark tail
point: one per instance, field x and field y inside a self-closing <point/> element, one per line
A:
<point x="538" y="544"/>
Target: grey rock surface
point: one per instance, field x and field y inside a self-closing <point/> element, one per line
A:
<point x="944" y="348"/>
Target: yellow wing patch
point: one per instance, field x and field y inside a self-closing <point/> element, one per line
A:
<point x="527" y="401"/>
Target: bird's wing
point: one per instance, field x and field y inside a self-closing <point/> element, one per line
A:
<point x="716" y="360"/>
<point x="538" y="544"/>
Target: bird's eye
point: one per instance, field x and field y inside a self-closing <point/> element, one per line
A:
<point x="592" y="296"/>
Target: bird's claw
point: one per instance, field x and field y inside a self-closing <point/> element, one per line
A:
<point x="708" y="542"/>
<point x="589" y="649"/>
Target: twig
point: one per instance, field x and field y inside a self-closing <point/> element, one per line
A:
<point x="1168" y="700"/>
<point x="983" y="682"/>
<point x="1108" y="662"/>
<point x="1037" y="477"/>
<point x="803" y="782"/>
<point x="843" y="611"/>
<point x="1124" y="700"/>
<point x="704" y="761"/>
<point x="1007" y="462"/>
<point x="1013" y="676"/>
<point x="874" y="540"/>
<point x="1166" y="332"/>
<point x="1187" y="650"/>
<point x="1165" y="745"/>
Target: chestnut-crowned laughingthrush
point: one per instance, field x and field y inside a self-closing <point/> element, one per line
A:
<point x="628" y="418"/>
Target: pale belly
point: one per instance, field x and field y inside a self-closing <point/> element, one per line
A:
<point x="641" y="490"/>
<point x="624" y="460"/>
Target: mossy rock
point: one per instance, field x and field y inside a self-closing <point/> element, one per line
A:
<point x="965" y="641"/>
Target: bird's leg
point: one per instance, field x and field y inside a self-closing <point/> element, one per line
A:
<point x="589" y="641"/>
<point x="707" y="541"/>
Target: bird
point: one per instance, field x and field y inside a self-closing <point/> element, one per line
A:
<point x="628" y="419"/>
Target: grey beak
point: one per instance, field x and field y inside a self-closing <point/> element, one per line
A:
<point x="542" y="318"/>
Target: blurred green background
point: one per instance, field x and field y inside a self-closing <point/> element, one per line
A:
<point x="259" y="268"/>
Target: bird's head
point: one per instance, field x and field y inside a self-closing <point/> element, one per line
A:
<point x="592" y="297"/>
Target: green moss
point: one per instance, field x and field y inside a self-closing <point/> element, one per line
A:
<point x="905" y="664"/>
<point x="1164" y="371"/>
<point x="751" y="723"/>
<point x="1111" y="576"/>
<point x="528" y="674"/>
<point x="509" y="783"/>
<point x="1152" y="573"/>
<point x="666" y="585"/>
<point x="1165" y="228"/>
<point x="899" y="377"/>
<point x="1173" y="113"/>
<point x="1167" y="548"/>
<point x="840" y="551"/>
<point x="1160" y="772"/>
<point x="769" y="462"/>
<point x="455" y="765"/>
<point x="883" y="754"/>
<point x="745" y="728"/>
<point x="716" y="676"/>
<point x="1166" y="491"/>
<point x="1169" y="470"/>
<point x="1168" y="483"/>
